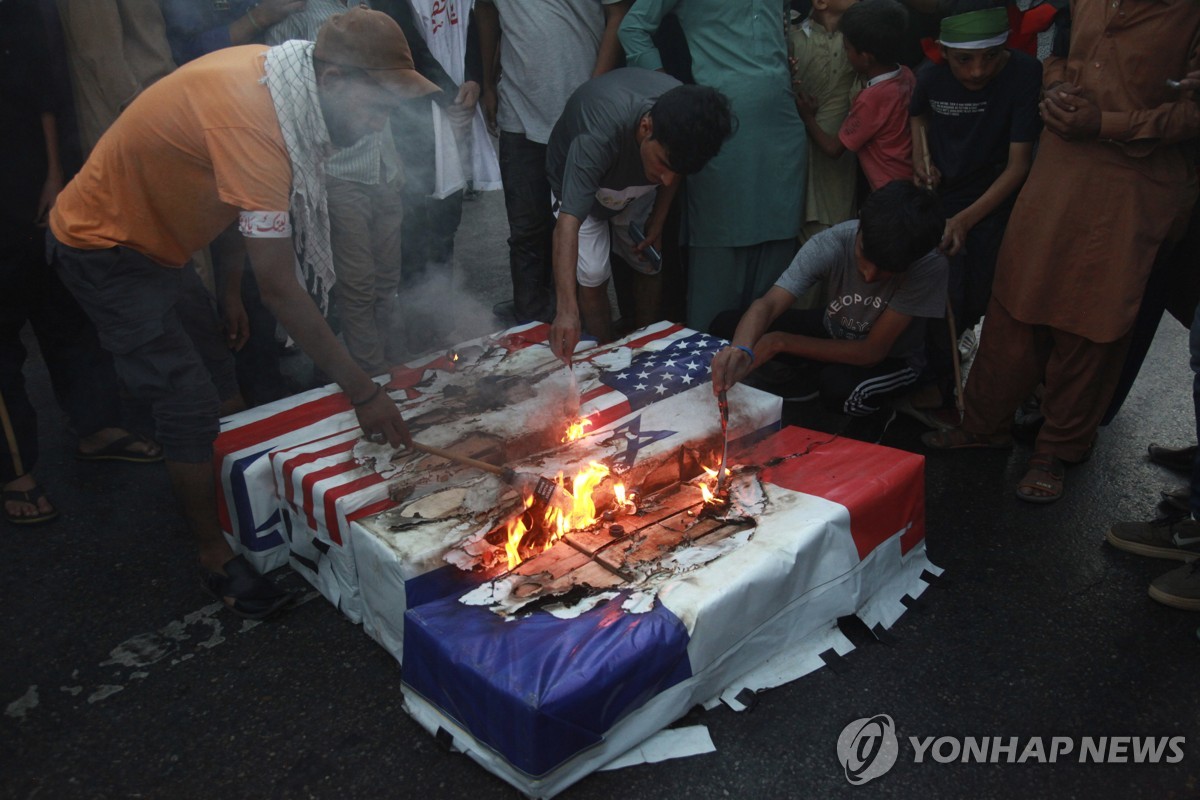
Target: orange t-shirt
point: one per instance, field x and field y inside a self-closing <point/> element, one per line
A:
<point x="177" y="167"/>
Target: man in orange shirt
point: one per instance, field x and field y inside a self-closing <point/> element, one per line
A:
<point x="236" y="137"/>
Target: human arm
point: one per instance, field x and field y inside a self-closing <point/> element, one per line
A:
<point x="663" y="197"/>
<point x="565" y="330"/>
<point x="735" y="364"/>
<point x="281" y="23"/>
<point x="637" y="28"/>
<point x="265" y="18"/>
<point x="1054" y="71"/>
<point x="856" y="352"/>
<point x="609" y="54"/>
<point x="487" y="19"/>
<point x="1020" y="159"/>
<point x="462" y="110"/>
<point x="829" y="144"/>
<point x="192" y="30"/>
<point x="53" y="183"/>
<point x="732" y="364"/>
<point x="273" y="260"/>
<point x="229" y="258"/>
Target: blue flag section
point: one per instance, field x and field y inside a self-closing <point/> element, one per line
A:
<point x="652" y="376"/>
<point x="540" y="690"/>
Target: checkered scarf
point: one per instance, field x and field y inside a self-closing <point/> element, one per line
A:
<point x="293" y="85"/>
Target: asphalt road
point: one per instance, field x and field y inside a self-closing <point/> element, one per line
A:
<point x="120" y="678"/>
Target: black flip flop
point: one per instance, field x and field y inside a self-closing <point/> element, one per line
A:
<point x="120" y="450"/>
<point x="32" y="496"/>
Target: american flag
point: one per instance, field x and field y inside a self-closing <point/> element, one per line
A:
<point x="658" y="374"/>
<point x="298" y="451"/>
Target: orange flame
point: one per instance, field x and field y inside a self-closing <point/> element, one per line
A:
<point x="708" y="483"/>
<point x="582" y="514"/>
<point x="576" y="430"/>
<point x="516" y="532"/>
<point x="624" y="503"/>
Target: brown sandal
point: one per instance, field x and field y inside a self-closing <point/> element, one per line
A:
<point x="958" y="439"/>
<point x="1043" y="483"/>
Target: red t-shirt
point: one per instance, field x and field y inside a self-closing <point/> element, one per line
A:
<point x="877" y="129"/>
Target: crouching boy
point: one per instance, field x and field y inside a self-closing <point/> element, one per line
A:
<point x="865" y="344"/>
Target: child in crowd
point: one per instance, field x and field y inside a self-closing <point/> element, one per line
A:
<point x="877" y="126"/>
<point x="974" y="122"/>
<point x="865" y="344"/>
<point x="822" y="70"/>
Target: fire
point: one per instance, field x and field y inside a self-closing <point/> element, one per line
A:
<point x="576" y="430"/>
<point x="516" y="532"/>
<point x="557" y="524"/>
<point x="625" y="504"/>
<point x="709" y="482"/>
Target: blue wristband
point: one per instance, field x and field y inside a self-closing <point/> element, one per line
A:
<point x="745" y="350"/>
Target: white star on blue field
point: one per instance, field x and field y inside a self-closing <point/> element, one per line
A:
<point x="652" y="376"/>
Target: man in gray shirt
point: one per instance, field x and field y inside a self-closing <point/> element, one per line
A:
<point x="615" y="157"/>
<point x="865" y="344"/>
<point x="535" y="54"/>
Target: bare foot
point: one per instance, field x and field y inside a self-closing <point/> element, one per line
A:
<point x="22" y="508"/>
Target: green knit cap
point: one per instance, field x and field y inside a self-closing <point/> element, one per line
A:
<point x="975" y="30"/>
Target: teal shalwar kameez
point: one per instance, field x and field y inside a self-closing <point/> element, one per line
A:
<point x="745" y="207"/>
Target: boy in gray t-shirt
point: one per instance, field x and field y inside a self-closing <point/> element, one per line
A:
<point x="865" y="344"/>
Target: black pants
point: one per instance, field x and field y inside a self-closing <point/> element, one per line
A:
<point x="530" y="226"/>
<point x="81" y="373"/>
<point x="142" y="311"/>
<point x="842" y="388"/>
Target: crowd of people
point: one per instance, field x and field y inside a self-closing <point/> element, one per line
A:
<point x="845" y="190"/>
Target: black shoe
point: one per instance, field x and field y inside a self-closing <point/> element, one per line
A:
<point x="1178" y="499"/>
<point x="505" y="311"/>
<point x="870" y="428"/>
<point x="244" y="591"/>
<point x="1177" y="458"/>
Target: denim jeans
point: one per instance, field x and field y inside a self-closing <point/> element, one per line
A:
<point x="530" y="226"/>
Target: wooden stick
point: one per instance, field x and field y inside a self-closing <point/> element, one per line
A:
<point x="927" y="157"/>
<point x="11" y="437"/>
<point x="958" y="383"/>
<point x="459" y="459"/>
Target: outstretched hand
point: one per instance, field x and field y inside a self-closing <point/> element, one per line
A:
<point x="565" y="332"/>
<point x="380" y="417"/>
<point x="729" y="366"/>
